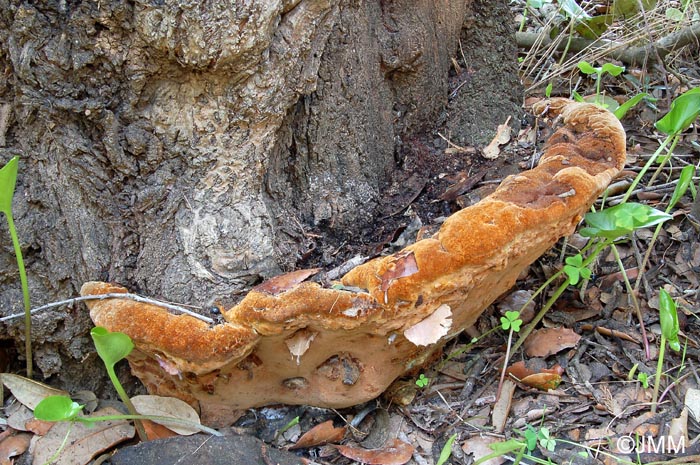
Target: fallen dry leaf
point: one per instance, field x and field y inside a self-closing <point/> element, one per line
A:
<point x="432" y="328"/>
<point x="465" y="184"/>
<point x="396" y="453"/>
<point x="542" y="381"/>
<point x="299" y="343"/>
<point x="156" y="431"/>
<point x="548" y="341"/>
<point x="546" y="379"/>
<point x="501" y="408"/>
<point x="502" y="136"/>
<point x="404" y="265"/>
<point x="286" y="281"/>
<point x="13" y="446"/>
<point x="692" y="402"/>
<point x="39" y="427"/>
<point x="678" y="431"/>
<point x="520" y="371"/>
<point x="323" y="433"/>
<point x="478" y="447"/>
<point x="84" y="441"/>
<point x="28" y="391"/>
<point x="18" y="415"/>
<point x="167" y="407"/>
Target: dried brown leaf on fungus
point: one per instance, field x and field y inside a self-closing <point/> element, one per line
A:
<point x="286" y="281"/>
<point x="403" y="266"/>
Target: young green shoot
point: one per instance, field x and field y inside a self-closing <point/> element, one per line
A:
<point x="668" y="317"/>
<point x="644" y="379"/>
<point x="618" y="221"/>
<point x="446" y="451"/>
<point x="613" y="70"/>
<point x="422" y="381"/>
<point x="8" y="180"/>
<point x="685" y="181"/>
<point x="63" y="408"/>
<point x="511" y="322"/>
<point x="684" y="110"/>
<point x="113" y="347"/>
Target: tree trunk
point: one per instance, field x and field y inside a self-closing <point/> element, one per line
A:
<point x="188" y="148"/>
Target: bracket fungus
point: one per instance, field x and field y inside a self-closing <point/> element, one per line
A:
<point x="298" y="342"/>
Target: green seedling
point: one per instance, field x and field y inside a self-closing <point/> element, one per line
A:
<point x="523" y="447"/>
<point x="511" y="322"/>
<point x="294" y="421"/>
<point x="644" y="379"/>
<point x="685" y="181"/>
<point x="422" y="381"/>
<point x="621" y="220"/>
<point x="446" y="451"/>
<point x="601" y="100"/>
<point x="113" y="347"/>
<point x="609" y="68"/>
<point x="533" y="437"/>
<point x="622" y="110"/>
<point x="605" y="227"/>
<point x="8" y="180"/>
<point x="63" y="408"/>
<point x="575" y="270"/>
<point x="668" y="317"/>
<point x="684" y="110"/>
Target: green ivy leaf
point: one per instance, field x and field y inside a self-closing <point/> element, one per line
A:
<point x="684" y="110"/>
<point x="8" y="180"/>
<point x="629" y="104"/>
<point x="57" y="408"/>
<point x="684" y="182"/>
<point x="621" y="220"/>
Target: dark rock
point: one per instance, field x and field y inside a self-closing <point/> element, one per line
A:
<point x="200" y="449"/>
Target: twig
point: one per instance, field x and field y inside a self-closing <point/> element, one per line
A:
<point x="616" y="50"/>
<point x="134" y="297"/>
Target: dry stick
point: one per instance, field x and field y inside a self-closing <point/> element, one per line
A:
<point x="619" y="51"/>
<point x="134" y="297"/>
<point x="635" y="302"/>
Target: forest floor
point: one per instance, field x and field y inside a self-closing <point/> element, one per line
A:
<point x="580" y="390"/>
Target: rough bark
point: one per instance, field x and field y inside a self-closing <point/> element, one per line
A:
<point x="183" y="147"/>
